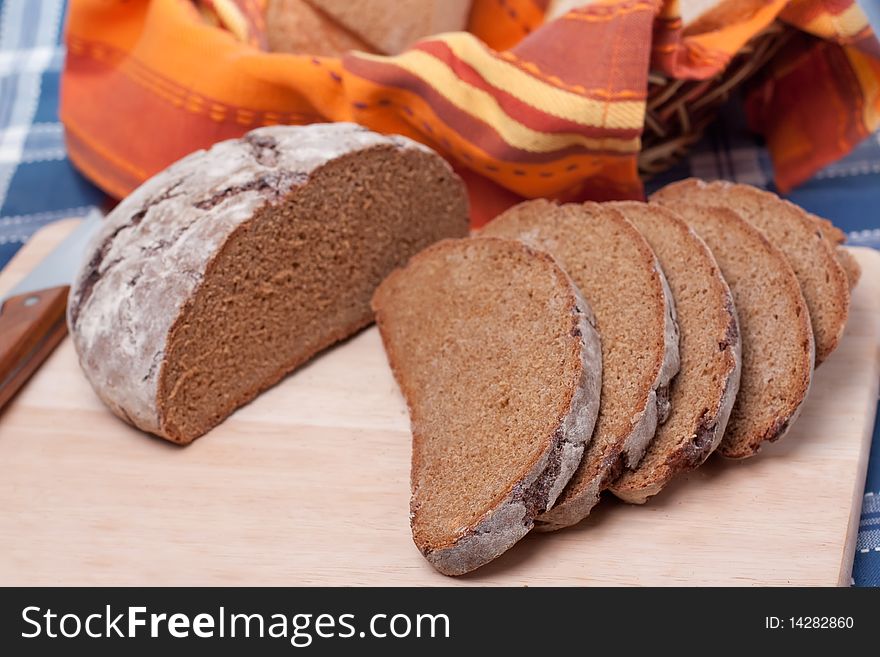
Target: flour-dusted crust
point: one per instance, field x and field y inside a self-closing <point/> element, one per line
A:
<point x="154" y="248"/>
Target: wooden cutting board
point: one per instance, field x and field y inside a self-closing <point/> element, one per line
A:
<point x="309" y="485"/>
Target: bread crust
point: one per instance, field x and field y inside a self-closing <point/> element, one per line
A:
<point x="530" y="494"/>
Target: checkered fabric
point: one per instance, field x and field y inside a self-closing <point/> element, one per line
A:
<point x="37" y="182"/>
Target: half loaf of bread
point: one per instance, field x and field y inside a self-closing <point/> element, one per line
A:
<point x="615" y="268"/>
<point x="226" y="271"/>
<point x="496" y="355"/>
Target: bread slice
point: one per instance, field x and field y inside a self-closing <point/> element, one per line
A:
<point x="836" y="238"/>
<point x="389" y="26"/>
<point x="830" y="232"/>
<point x="777" y="341"/>
<point x="229" y="269"/>
<point x="615" y="268"/>
<point x="496" y="355"/>
<point x="850" y="265"/>
<point x="823" y="281"/>
<point x="702" y="394"/>
<point x="294" y="26"/>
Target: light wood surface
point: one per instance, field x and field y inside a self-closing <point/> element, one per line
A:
<point x="309" y="485"/>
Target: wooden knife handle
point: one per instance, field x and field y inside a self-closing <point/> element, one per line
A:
<point x="31" y="326"/>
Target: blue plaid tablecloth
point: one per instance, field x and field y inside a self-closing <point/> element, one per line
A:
<point x="38" y="185"/>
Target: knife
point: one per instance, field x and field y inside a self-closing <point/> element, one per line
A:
<point x="32" y="315"/>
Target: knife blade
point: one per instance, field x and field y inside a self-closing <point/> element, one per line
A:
<point x="32" y="315"/>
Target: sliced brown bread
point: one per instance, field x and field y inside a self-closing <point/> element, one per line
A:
<point x="295" y="26"/>
<point x="226" y="271"/>
<point x="702" y="394"/>
<point x="499" y="362"/>
<point x="777" y="341"/>
<point x="837" y="237"/>
<point x="798" y="235"/>
<point x="829" y="231"/>
<point x="389" y="26"/>
<point x="615" y="268"/>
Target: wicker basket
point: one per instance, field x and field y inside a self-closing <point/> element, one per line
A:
<point x="678" y="111"/>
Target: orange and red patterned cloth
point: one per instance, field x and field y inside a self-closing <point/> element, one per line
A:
<point x="522" y="107"/>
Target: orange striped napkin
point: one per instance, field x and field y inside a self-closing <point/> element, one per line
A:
<point x="520" y="106"/>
